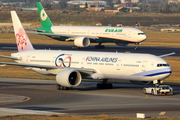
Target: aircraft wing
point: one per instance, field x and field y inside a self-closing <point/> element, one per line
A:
<point x="65" y="35"/>
<point x="165" y="55"/>
<point x="51" y="69"/>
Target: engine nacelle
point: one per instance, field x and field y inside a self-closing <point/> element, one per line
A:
<point x="68" y="78"/>
<point x="81" y="41"/>
<point x="122" y="44"/>
<point x="141" y="82"/>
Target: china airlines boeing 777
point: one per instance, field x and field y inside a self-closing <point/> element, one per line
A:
<point x="84" y="35"/>
<point x="70" y="67"/>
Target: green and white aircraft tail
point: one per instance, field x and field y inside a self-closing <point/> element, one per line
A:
<point x="44" y="19"/>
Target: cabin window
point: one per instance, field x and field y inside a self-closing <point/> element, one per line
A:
<point x="74" y="62"/>
<point x="138" y="61"/>
<point x="106" y="33"/>
<point x="78" y="32"/>
<point x="108" y="64"/>
<point x="120" y="34"/>
<point x="61" y="32"/>
<point x="40" y="60"/>
<point x="131" y="65"/>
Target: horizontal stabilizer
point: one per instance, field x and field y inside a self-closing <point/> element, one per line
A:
<point x="35" y="30"/>
<point x="14" y="58"/>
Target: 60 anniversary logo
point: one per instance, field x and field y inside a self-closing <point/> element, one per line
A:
<point x="63" y="60"/>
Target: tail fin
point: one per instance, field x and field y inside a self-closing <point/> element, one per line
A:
<point x="22" y="40"/>
<point x="44" y="19"/>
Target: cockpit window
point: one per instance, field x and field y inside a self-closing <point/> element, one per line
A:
<point x="141" y="33"/>
<point x="162" y="65"/>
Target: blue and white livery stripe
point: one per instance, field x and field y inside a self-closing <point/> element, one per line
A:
<point x="154" y="72"/>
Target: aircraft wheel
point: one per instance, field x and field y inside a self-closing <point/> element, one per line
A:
<point x="144" y="90"/>
<point x="70" y="88"/>
<point x="110" y="86"/>
<point x="99" y="46"/>
<point x="98" y="86"/>
<point x="104" y="86"/>
<point x="58" y="87"/>
<point x="152" y="92"/>
<point x="64" y="88"/>
<point x="135" y="48"/>
<point x="75" y="47"/>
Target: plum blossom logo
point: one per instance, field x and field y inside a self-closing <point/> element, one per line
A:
<point x="43" y="15"/>
<point x="21" y="39"/>
<point x="63" y="60"/>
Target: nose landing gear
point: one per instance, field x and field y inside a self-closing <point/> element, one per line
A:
<point x="136" y="48"/>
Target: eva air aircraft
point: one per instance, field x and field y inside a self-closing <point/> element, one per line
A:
<point x="84" y="35"/>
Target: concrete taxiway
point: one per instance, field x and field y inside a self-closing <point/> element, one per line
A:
<point x="30" y="96"/>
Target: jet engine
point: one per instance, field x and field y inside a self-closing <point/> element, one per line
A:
<point x="81" y="41"/>
<point x="68" y="78"/>
<point x="141" y="82"/>
<point x="121" y="44"/>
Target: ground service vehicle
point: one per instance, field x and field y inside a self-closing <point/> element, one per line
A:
<point x="159" y="90"/>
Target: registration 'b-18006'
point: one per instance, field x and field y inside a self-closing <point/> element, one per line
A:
<point x="70" y="67"/>
<point x="84" y="35"/>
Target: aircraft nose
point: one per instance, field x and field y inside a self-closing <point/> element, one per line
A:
<point x="143" y="37"/>
<point x="170" y="70"/>
<point x="167" y="73"/>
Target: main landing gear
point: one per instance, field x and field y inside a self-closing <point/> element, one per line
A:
<point x="75" y="47"/>
<point x="104" y="85"/>
<point x="99" y="46"/>
<point x="59" y="87"/>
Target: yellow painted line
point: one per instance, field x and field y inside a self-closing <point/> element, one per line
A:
<point x="162" y="113"/>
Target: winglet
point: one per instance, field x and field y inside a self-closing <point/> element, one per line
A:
<point x="167" y="54"/>
<point x="22" y="40"/>
<point x="44" y="19"/>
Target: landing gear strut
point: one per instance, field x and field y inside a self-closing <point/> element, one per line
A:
<point x="157" y="82"/>
<point x="104" y="85"/>
<point x="136" y="48"/>
<point x="59" y="87"/>
<point x="75" y="47"/>
<point x="99" y="46"/>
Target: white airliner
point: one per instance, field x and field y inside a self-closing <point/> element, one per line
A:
<point x="70" y="67"/>
<point x="84" y="35"/>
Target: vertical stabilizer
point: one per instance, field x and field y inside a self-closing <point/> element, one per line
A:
<point x="44" y="19"/>
<point x="22" y="40"/>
